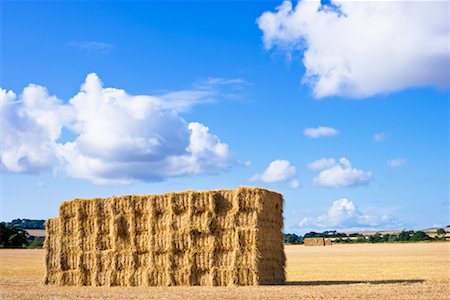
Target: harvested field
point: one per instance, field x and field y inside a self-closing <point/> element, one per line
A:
<point x="36" y="232"/>
<point x="208" y="238"/>
<point x="374" y="271"/>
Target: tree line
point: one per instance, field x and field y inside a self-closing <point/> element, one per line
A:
<point x="340" y="237"/>
<point x="14" y="235"/>
<point x="27" y="224"/>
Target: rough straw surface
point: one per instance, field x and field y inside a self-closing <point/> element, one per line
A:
<point x="316" y="242"/>
<point x="211" y="238"/>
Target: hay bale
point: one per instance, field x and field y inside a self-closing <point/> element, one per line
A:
<point x="211" y="238"/>
<point x="316" y="242"/>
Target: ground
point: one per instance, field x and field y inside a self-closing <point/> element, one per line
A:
<point x="364" y="271"/>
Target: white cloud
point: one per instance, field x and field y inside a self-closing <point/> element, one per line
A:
<point x="93" y="47"/>
<point x="29" y="129"/>
<point x="320" y="131"/>
<point x="118" y="137"/>
<point x="396" y="163"/>
<point x="323" y="163"/>
<point x="340" y="174"/>
<point x="246" y="163"/>
<point x="343" y="213"/>
<point x="279" y="171"/>
<point x="379" y="137"/>
<point x="363" y="48"/>
<point x="294" y="183"/>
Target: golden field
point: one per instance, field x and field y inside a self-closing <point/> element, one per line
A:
<point x="357" y="271"/>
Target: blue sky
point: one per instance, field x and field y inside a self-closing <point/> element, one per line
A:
<point x="230" y="90"/>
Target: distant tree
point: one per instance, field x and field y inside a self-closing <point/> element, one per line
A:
<point x="361" y="239"/>
<point x="313" y="234"/>
<point x="36" y="242"/>
<point x="27" y="224"/>
<point x="292" y="238"/>
<point x="420" y="236"/>
<point x="405" y="235"/>
<point x="375" y="238"/>
<point x="440" y="231"/>
<point x="11" y="237"/>
<point x="393" y="238"/>
<point x="5" y="233"/>
<point x="355" y="234"/>
<point x="16" y="222"/>
<point x="18" y="239"/>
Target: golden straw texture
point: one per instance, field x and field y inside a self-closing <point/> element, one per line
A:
<point x="210" y="238"/>
<point x="317" y="242"/>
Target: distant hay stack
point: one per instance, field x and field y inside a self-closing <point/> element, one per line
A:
<point x="316" y="242"/>
<point x="211" y="238"/>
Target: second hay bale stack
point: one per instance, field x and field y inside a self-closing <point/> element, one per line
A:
<point x="316" y="242"/>
<point x="224" y="237"/>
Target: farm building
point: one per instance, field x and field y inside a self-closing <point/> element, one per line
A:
<point x="211" y="238"/>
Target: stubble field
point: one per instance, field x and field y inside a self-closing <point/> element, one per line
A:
<point x="364" y="271"/>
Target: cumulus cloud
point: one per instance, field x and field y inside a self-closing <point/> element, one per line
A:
<point x="343" y="213"/>
<point x="379" y="137"/>
<point x="338" y="173"/>
<point x="119" y="137"/>
<point x="396" y="163"/>
<point x="29" y="129"/>
<point x="320" y="131"/>
<point x="363" y="48"/>
<point x="279" y="171"/>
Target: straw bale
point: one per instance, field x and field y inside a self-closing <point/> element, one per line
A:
<point x="316" y="242"/>
<point x="211" y="238"/>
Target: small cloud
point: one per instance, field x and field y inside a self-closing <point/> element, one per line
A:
<point x="40" y="184"/>
<point x="379" y="137"/>
<point x="224" y="81"/>
<point x="93" y="47"/>
<point x="246" y="163"/>
<point x="278" y="171"/>
<point x="344" y="213"/>
<point x="320" y="131"/>
<point x="340" y="174"/>
<point x="396" y="163"/>
<point x="206" y="91"/>
<point x="295" y="183"/>
<point x="323" y="163"/>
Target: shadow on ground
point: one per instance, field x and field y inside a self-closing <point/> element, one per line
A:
<point x="338" y="282"/>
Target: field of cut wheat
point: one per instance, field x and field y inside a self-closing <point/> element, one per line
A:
<point x="364" y="271"/>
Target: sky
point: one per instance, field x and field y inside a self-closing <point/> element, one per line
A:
<point x="343" y="107"/>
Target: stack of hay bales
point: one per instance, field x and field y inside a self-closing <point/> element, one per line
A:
<point x="316" y="242"/>
<point x="212" y="238"/>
